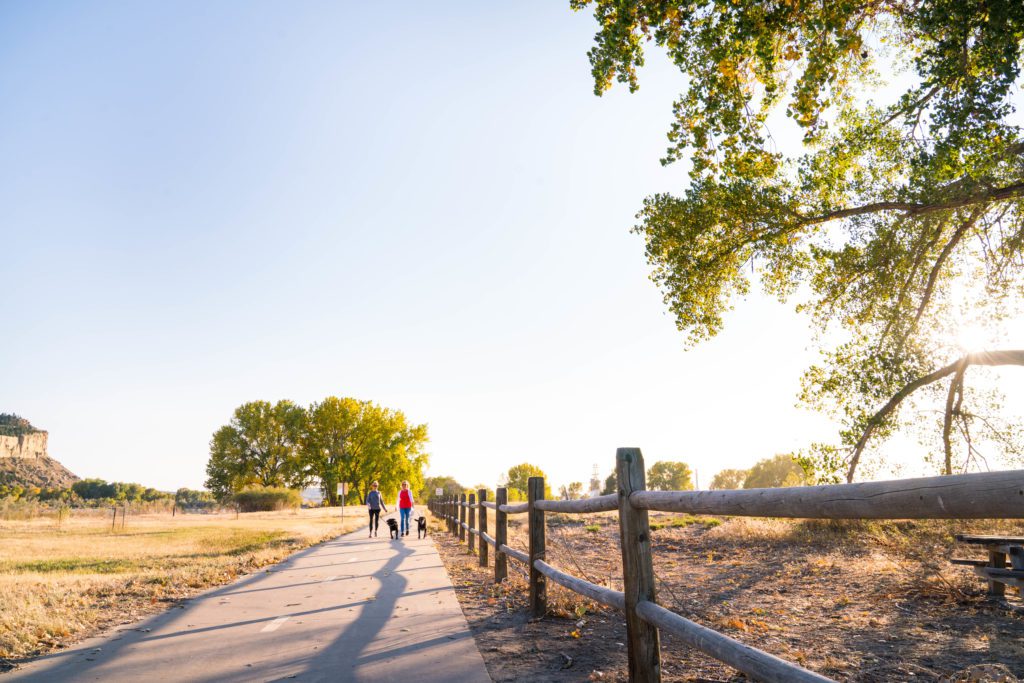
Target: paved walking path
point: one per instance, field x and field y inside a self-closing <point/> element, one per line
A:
<point x="353" y="609"/>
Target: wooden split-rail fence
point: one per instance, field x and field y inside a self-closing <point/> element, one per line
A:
<point x="987" y="495"/>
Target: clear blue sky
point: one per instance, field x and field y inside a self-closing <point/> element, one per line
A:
<point x="421" y="204"/>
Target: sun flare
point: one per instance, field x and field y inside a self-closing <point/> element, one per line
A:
<point x="973" y="338"/>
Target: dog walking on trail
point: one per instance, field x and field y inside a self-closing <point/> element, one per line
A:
<point x="374" y="502"/>
<point x="405" y="507"/>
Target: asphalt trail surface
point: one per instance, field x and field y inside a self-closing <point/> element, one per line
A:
<point x="352" y="609"/>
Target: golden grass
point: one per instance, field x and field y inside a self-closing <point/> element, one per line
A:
<point x="61" y="580"/>
<point x="916" y="549"/>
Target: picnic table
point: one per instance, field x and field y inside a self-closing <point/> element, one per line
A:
<point x="994" y="568"/>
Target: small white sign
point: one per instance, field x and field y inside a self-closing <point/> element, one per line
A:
<point x="343" y="489"/>
<point x="438" y="492"/>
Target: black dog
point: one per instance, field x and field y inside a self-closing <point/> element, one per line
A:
<point x="421" y="527"/>
<point x="393" y="527"/>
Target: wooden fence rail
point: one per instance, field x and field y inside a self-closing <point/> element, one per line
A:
<point x="964" y="496"/>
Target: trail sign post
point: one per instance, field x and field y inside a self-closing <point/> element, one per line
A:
<point x="343" y="491"/>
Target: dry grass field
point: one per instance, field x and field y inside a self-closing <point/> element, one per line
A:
<point x="865" y="602"/>
<point x="62" y="579"/>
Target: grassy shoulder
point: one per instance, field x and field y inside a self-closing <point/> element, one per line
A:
<point x="64" y="579"/>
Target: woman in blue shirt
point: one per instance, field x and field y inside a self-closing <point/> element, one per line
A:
<point x="374" y="501"/>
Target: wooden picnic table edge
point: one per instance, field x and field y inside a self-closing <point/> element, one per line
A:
<point x="988" y="540"/>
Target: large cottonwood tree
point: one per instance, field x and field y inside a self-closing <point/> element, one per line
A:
<point x="258" y="447"/>
<point x="334" y="433"/>
<point x="335" y="440"/>
<point x="897" y="225"/>
<point x="358" y="442"/>
<point x="394" y="453"/>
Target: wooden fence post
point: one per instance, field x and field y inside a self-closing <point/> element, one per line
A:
<point x="500" y="535"/>
<point x="462" y="517"/>
<point x="538" y="582"/>
<point x="451" y="515"/>
<point x="470" y="537"/>
<point x="637" y="569"/>
<point x="482" y="523"/>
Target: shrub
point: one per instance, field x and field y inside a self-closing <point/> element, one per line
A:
<point x="266" y="499"/>
<point x="195" y="500"/>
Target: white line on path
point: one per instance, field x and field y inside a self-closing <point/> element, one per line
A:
<point x="274" y="625"/>
<point x="329" y="578"/>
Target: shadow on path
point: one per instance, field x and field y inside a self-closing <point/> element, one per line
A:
<point x="74" y="662"/>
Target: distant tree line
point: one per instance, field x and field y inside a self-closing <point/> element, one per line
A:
<point x="774" y="472"/>
<point x="87" y="493"/>
<point x="515" y="481"/>
<point x="283" y="445"/>
<point x="663" y="475"/>
<point x="777" y="471"/>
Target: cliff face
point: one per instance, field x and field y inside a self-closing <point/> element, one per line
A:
<point x="31" y="445"/>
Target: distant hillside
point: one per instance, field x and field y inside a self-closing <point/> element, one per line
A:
<point x="44" y="473"/>
<point x="23" y="457"/>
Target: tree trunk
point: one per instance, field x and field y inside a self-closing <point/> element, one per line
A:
<point x="330" y="486"/>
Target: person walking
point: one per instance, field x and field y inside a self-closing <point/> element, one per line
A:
<point x="405" y="508"/>
<point x="374" y="502"/>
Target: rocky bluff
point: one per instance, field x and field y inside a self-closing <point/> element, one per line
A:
<point x="24" y="460"/>
<point x="32" y="445"/>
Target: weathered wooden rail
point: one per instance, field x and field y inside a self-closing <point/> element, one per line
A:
<point x="965" y="496"/>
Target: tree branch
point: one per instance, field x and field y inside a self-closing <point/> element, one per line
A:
<point x="915" y="105"/>
<point x="911" y="277"/>
<point x="929" y="289"/>
<point x="918" y="209"/>
<point x="990" y="358"/>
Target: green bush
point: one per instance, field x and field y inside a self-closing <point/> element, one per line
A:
<point x="266" y="499"/>
<point x="194" y="500"/>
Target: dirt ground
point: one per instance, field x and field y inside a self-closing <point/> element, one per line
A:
<point x="862" y="601"/>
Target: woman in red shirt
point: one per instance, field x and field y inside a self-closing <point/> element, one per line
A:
<point x="405" y="507"/>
